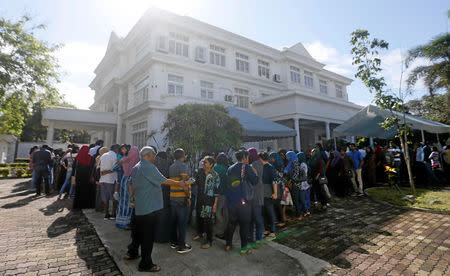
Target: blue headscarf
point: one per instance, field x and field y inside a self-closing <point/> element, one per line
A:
<point x="278" y="160"/>
<point x="291" y="156"/>
<point x="301" y="157"/>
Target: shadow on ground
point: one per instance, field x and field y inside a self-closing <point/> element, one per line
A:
<point x="89" y="247"/>
<point x="350" y="223"/>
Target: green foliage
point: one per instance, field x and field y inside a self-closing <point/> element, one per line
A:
<point x="28" y="71"/>
<point x="433" y="108"/>
<point x="199" y="128"/>
<point x="4" y="172"/>
<point x="436" y="75"/>
<point x="22" y="160"/>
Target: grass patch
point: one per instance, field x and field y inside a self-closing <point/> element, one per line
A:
<point x="424" y="198"/>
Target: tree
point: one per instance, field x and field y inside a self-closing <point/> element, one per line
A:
<point x="430" y="107"/>
<point x="33" y="130"/>
<point x="436" y="74"/>
<point x="365" y="53"/>
<point x="28" y="71"/>
<point x="199" y="128"/>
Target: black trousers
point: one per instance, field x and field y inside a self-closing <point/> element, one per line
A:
<point x="42" y="175"/>
<point x="145" y="228"/>
<point x="239" y="214"/>
<point x="133" y="247"/>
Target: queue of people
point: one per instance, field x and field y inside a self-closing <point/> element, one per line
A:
<point x="156" y="194"/>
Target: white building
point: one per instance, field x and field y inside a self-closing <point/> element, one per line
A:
<point x="167" y="60"/>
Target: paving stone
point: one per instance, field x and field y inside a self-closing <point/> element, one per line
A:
<point x="44" y="236"/>
<point x="361" y="237"/>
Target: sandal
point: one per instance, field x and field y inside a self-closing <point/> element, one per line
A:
<point x="197" y="237"/>
<point x="130" y="257"/>
<point x="281" y="224"/>
<point x="206" y="245"/>
<point x="271" y="237"/>
<point x="265" y="233"/>
<point x="154" y="268"/>
<point x="247" y="251"/>
<point x="299" y="219"/>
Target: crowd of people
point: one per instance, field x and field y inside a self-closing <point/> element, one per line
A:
<point x="156" y="194"/>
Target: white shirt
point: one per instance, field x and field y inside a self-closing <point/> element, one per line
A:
<point x="107" y="161"/>
<point x="363" y="153"/>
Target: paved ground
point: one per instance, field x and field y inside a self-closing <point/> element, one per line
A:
<point x="213" y="261"/>
<point x="44" y="237"/>
<point x="361" y="237"/>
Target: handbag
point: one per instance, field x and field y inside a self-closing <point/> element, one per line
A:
<point x="247" y="188"/>
<point x="324" y="181"/>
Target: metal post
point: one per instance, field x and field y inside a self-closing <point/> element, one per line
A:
<point x="297" y="137"/>
<point x="371" y="141"/>
<point x="423" y="135"/>
<point x="50" y="133"/>
<point x="327" y="129"/>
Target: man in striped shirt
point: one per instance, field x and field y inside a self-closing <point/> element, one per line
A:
<point x="179" y="203"/>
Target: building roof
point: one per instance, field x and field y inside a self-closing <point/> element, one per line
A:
<point x="366" y="123"/>
<point x="257" y="127"/>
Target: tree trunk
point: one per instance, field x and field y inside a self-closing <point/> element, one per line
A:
<point x="404" y="144"/>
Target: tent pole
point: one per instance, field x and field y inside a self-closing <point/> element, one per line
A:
<point x="437" y="138"/>
<point x="371" y="142"/>
<point x="423" y="135"/>
<point x="335" y="147"/>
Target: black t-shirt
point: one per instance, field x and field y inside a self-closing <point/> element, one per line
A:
<point x="268" y="176"/>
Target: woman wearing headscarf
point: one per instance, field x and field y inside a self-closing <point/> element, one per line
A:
<point x="293" y="174"/>
<point x="336" y="174"/>
<point x="369" y="168"/>
<point x="123" y="216"/>
<point x="221" y="168"/>
<point x="257" y="202"/>
<point x="84" y="190"/>
<point x="278" y="164"/>
<point x="317" y="167"/>
<point x="305" y="187"/>
<point x="380" y="162"/>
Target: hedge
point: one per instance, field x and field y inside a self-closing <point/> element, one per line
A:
<point x="22" y="160"/>
<point x="14" y="165"/>
<point x="4" y="172"/>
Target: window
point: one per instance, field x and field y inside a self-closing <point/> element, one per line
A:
<point x="139" y="134"/>
<point x="295" y="74"/>
<point x="323" y="87"/>
<point x="141" y="92"/>
<point x="309" y="81"/>
<point x="200" y="54"/>
<point x="242" y="97"/>
<point x="179" y="44"/>
<point x="162" y="44"/>
<point x="242" y="63"/>
<point x="175" y="85"/>
<point x="217" y="55"/>
<point x="207" y="89"/>
<point x="339" y="93"/>
<point x="263" y="69"/>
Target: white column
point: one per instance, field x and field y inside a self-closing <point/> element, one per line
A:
<point x="371" y="142"/>
<point x="297" y="137"/>
<point x="437" y="138"/>
<point x="107" y="139"/>
<point x="327" y="129"/>
<point x="50" y="133"/>
<point x="119" y="119"/>
<point x="423" y="135"/>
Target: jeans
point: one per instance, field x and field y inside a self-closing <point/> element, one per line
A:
<point x="257" y="220"/>
<point x="33" y="179"/>
<point x="179" y="215"/>
<point x="301" y="202"/>
<point x="145" y="227"/>
<point x="50" y="176"/>
<point x="270" y="211"/>
<point x="239" y="213"/>
<point x="67" y="182"/>
<point x="42" y="175"/>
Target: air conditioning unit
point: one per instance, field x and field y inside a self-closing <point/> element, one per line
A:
<point x="276" y="78"/>
<point x="163" y="44"/>
<point x="229" y="98"/>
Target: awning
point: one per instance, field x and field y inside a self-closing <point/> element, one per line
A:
<point x="366" y="123"/>
<point x="258" y="128"/>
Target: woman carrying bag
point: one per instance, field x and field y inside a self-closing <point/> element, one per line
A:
<point x="319" y="180"/>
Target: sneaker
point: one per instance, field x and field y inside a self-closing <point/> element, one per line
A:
<point x="187" y="248"/>
<point x="112" y="218"/>
<point x="173" y="245"/>
<point x="106" y="217"/>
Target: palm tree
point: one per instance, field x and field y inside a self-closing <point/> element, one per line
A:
<point x="436" y="75"/>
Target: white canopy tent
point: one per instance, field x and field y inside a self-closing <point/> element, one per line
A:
<point x="366" y="123"/>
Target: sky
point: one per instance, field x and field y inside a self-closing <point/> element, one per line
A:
<point x="324" y="27"/>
